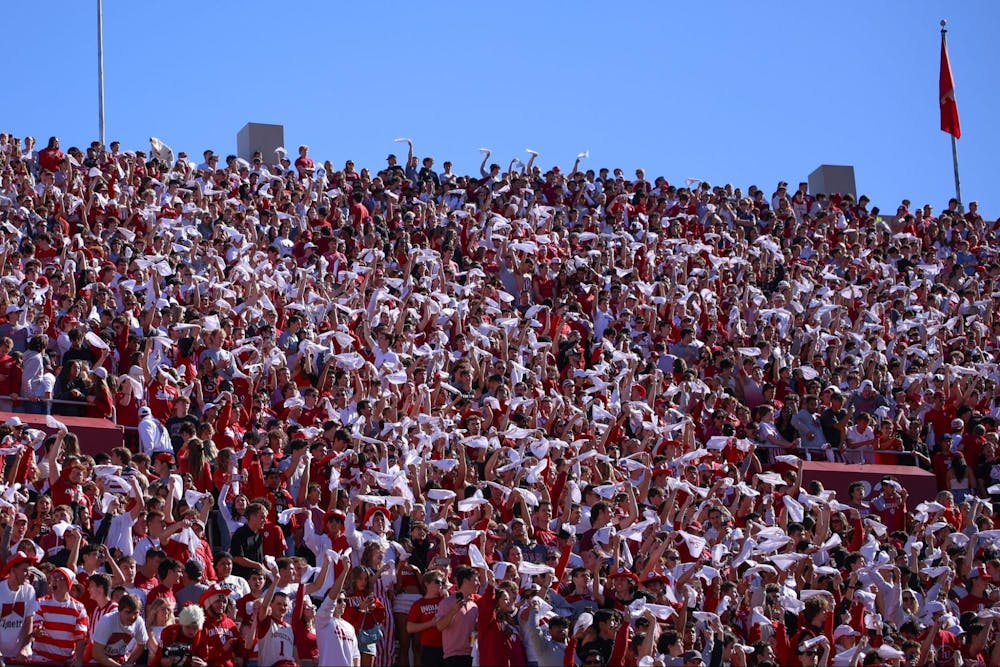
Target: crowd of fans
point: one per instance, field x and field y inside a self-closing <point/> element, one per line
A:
<point x="521" y="417"/>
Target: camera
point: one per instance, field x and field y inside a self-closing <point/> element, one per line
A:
<point x="177" y="651"/>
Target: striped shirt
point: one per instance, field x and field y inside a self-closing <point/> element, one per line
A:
<point x="63" y="625"/>
<point x="95" y="617"/>
<point x="100" y="612"/>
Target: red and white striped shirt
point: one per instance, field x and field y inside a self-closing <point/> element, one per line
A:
<point x="100" y="612"/>
<point x="95" y="616"/>
<point x="63" y="625"/>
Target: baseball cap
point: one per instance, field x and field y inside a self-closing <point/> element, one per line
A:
<point x="844" y="630"/>
<point x="692" y="656"/>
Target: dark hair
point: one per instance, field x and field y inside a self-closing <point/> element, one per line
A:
<point x="128" y="602"/>
<point x="463" y="573"/>
<point x="102" y="581"/>
<point x="167" y="566"/>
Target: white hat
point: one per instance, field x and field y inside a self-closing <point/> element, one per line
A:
<point x="144" y="411"/>
<point x="844" y="630"/>
<point x="14" y="421"/>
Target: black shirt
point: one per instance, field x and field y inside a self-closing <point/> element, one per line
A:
<point x="174" y="424"/>
<point x="829" y="420"/>
<point x="250" y="545"/>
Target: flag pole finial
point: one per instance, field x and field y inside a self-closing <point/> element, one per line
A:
<point x="944" y="25"/>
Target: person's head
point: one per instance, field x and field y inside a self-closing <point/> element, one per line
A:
<point x="159" y="613"/>
<point x="256" y="516"/>
<point x="358" y="581"/>
<point x="99" y="587"/>
<point x="214" y="602"/>
<point x="193" y="572"/>
<point x="60" y="580"/>
<point x="559" y="629"/>
<point x="192" y="619"/>
<point x="169" y="572"/>
<point x="816" y="611"/>
<point x="128" y="608"/>
<point x="285" y="571"/>
<point x="670" y="644"/>
<point x="223" y="564"/>
<point x="280" y="605"/>
<point x="256" y="581"/>
<point x="809" y="655"/>
<point x="17" y="569"/>
<point x="607" y="622"/>
<point x="467" y="580"/>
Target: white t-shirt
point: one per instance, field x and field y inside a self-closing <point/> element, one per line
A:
<point x="237" y="586"/>
<point x="120" y="534"/>
<point x="15" y="606"/>
<point x="863" y="454"/>
<point x="144" y="545"/>
<point x="116" y="637"/>
<point x="336" y="639"/>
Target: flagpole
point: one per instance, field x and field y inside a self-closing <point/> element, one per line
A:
<point x="100" y="70"/>
<point x="954" y="141"/>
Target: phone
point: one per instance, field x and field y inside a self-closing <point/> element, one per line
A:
<point x="460" y="596"/>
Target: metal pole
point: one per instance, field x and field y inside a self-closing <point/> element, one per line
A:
<point x="954" y="141"/>
<point x="954" y="159"/>
<point x="100" y="69"/>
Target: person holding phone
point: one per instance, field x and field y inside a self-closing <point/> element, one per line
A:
<point x="457" y="618"/>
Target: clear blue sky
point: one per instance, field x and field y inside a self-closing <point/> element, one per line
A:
<point x="735" y="92"/>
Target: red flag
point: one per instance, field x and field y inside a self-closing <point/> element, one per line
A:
<point x="949" y="108"/>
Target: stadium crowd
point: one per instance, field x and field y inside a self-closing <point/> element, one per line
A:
<point x="402" y="416"/>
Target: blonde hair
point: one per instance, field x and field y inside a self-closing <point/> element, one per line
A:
<point x="155" y="607"/>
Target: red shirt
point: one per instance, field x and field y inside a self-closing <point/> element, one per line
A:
<point x="161" y="591"/>
<point x="8" y="374"/>
<point x="423" y="610"/>
<point x="65" y="492"/>
<point x="51" y="159"/>
<point x="173" y="634"/>
<point x="274" y="539"/>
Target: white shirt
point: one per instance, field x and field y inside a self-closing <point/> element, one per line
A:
<point x="153" y="437"/>
<point x="15" y="607"/>
<point x="116" y="637"/>
<point x="861" y="454"/>
<point x="144" y="545"/>
<point x="120" y="534"/>
<point x="336" y="639"/>
<point x="237" y="586"/>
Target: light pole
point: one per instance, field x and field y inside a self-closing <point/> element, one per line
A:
<point x="100" y="70"/>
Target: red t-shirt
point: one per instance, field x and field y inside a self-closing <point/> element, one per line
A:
<point x="51" y="159"/>
<point x="161" y="591"/>
<point x="423" y="610"/>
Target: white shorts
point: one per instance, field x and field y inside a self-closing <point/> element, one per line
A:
<point x="403" y="601"/>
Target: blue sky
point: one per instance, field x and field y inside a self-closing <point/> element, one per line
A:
<point x="748" y="93"/>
